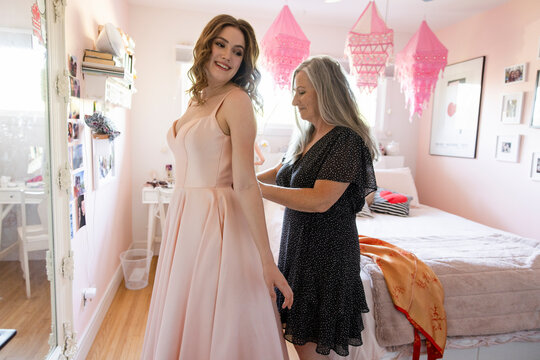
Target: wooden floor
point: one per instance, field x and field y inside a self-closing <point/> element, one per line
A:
<point x="30" y="317"/>
<point x="122" y="331"/>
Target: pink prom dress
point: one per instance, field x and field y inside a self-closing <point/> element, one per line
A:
<point x="209" y="300"/>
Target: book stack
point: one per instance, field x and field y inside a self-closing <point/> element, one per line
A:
<point x="97" y="62"/>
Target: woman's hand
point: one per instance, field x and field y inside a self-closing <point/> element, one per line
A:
<point x="274" y="278"/>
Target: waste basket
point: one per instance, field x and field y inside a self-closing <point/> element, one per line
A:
<point x="136" y="266"/>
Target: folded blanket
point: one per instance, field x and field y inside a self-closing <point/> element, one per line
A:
<point x="415" y="290"/>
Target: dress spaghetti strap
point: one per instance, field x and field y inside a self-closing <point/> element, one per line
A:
<point x="214" y="112"/>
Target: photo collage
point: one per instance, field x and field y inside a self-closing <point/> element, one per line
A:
<point x="77" y="154"/>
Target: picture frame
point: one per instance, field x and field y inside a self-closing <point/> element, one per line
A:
<point x="535" y="116"/>
<point x="80" y="207"/>
<point x="535" y="166"/>
<point x="515" y="73"/>
<point x="72" y="65"/>
<point x="70" y="131"/>
<point x="104" y="167"/>
<point x="75" y="87"/>
<point x="512" y="106"/>
<point x="508" y="148"/>
<point x="456" y="109"/>
<point x="78" y="130"/>
<point x="76" y="156"/>
<point x="74" y="108"/>
<point x="78" y="184"/>
<point x="71" y="220"/>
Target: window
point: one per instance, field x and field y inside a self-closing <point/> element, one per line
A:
<point x="183" y="85"/>
<point x="20" y="66"/>
<point x="279" y="112"/>
<point x="367" y="102"/>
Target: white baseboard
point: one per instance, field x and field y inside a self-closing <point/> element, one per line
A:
<point x="139" y="245"/>
<point x="87" y="338"/>
<point x="142" y="245"/>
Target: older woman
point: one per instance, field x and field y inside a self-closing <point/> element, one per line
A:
<point x="322" y="182"/>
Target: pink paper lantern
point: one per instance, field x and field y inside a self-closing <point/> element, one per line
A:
<point x="418" y="67"/>
<point x="284" y="47"/>
<point x="368" y="45"/>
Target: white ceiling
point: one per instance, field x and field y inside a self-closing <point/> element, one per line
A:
<point x="401" y="15"/>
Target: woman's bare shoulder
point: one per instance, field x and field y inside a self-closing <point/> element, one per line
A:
<point x="238" y="97"/>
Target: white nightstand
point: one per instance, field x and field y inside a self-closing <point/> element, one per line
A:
<point x="389" y="162"/>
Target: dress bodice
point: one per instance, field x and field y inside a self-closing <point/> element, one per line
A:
<point x="202" y="152"/>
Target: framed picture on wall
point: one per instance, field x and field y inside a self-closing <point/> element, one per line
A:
<point x="75" y="156"/>
<point x="104" y="160"/>
<point x="75" y="87"/>
<point x="72" y="65"/>
<point x="515" y="73"/>
<point x="535" y="119"/>
<point x="511" y="108"/>
<point x="508" y="148"/>
<point x="78" y="184"/>
<point x="74" y="108"/>
<point x="81" y="211"/>
<point x="535" y="166"/>
<point x="456" y="109"/>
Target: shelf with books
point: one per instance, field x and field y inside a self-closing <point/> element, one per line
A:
<point x="108" y="77"/>
<point x="97" y="62"/>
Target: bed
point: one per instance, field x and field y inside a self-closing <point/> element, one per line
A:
<point x="491" y="280"/>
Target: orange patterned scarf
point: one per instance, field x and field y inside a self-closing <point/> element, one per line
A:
<point x="419" y="296"/>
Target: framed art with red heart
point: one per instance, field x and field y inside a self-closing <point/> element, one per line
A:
<point x="456" y="109"/>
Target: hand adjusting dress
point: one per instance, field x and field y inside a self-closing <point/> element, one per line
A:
<point x="209" y="301"/>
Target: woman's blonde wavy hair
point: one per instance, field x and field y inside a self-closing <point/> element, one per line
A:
<point x="247" y="77"/>
<point x="337" y="105"/>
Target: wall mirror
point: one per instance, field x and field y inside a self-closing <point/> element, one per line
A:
<point x="35" y="262"/>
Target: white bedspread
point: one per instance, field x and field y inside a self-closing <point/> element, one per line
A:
<point x="424" y="222"/>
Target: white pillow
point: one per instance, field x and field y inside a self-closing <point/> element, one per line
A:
<point x="398" y="180"/>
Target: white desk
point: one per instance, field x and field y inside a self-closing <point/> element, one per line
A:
<point x="10" y="197"/>
<point x="155" y="198"/>
<point x="389" y="162"/>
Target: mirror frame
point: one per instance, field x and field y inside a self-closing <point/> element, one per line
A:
<point x="63" y="344"/>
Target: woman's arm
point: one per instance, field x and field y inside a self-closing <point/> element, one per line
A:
<point x="237" y="111"/>
<point x="320" y="198"/>
<point x="269" y="175"/>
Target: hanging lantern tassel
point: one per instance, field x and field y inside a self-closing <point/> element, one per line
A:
<point x="284" y="47"/>
<point x="368" y="46"/>
<point x="418" y="67"/>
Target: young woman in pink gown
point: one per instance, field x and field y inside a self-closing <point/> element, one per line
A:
<point x="213" y="296"/>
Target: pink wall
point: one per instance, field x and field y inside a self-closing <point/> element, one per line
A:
<point x="495" y="193"/>
<point x="108" y="210"/>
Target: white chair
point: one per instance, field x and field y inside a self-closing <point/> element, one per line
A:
<point x="32" y="237"/>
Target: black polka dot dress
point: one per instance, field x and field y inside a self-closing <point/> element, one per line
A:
<point x="319" y="253"/>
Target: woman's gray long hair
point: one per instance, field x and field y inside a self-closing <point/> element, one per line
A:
<point x="337" y="105"/>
